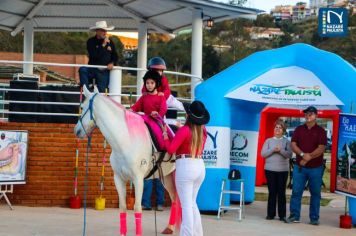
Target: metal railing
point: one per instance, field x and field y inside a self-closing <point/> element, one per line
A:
<point x="4" y="104"/>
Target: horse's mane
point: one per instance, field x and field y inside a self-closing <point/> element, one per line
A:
<point x="133" y="121"/>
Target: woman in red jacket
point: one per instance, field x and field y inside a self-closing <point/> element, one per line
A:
<point x="188" y="145"/>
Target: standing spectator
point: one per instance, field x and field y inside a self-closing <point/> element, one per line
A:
<point x="277" y="152"/>
<point x="188" y="144"/>
<point x="147" y="193"/>
<point x="101" y="51"/>
<point x="308" y="142"/>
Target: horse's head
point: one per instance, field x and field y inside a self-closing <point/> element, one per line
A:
<point x="86" y="123"/>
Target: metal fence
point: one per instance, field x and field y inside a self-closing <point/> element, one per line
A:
<point x="6" y="101"/>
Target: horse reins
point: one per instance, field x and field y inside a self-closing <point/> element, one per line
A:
<point x="89" y="135"/>
<point x="92" y="119"/>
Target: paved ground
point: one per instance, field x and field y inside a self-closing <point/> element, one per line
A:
<point x="39" y="221"/>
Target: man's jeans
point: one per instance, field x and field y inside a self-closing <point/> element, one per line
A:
<point x="101" y="77"/>
<point x="147" y="192"/>
<point x="300" y="176"/>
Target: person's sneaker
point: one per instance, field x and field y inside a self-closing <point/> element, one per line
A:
<point x="269" y="218"/>
<point x="159" y="208"/>
<point x="292" y="219"/>
<point x="146" y="208"/>
<point x="282" y="219"/>
<point x="314" y="222"/>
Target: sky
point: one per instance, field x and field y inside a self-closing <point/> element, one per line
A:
<point x="267" y="5"/>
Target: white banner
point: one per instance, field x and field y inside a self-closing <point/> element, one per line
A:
<point x="243" y="150"/>
<point x="288" y="85"/>
<point x="216" y="149"/>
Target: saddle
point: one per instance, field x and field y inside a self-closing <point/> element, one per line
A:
<point x="156" y="133"/>
<point x="157" y="143"/>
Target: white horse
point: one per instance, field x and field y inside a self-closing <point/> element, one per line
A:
<point x="132" y="153"/>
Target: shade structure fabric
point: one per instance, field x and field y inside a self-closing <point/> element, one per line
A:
<point x="165" y="16"/>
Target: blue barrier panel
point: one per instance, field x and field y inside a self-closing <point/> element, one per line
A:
<point x="352" y="209"/>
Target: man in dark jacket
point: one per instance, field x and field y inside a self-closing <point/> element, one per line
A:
<point x="101" y="51"/>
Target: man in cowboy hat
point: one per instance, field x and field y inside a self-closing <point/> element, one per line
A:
<point x="101" y="51"/>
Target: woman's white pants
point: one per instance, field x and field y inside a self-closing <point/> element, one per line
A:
<point x="190" y="174"/>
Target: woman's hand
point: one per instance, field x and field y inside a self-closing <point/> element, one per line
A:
<point x="160" y="94"/>
<point x="277" y="148"/>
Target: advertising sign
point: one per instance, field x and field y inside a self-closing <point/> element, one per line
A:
<point x="216" y="149"/>
<point x="291" y="85"/>
<point x="243" y="150"/>
<point x="346" y="155"/>
<point x="332" y="22"/>
<point x="13" y="154"/>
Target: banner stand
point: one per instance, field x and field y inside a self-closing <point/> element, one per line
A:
<point x="8" y="188"/>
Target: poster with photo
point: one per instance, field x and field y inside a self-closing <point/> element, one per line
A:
<point x="346" y="155"/>
<point x="13" y="155"/>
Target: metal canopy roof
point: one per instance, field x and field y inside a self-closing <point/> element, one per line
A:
<point x="165" y="16"/>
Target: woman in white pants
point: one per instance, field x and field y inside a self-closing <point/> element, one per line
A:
<point x="188" y="145"/>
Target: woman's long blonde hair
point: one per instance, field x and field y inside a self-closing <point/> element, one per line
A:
<point x="197" y="138"/>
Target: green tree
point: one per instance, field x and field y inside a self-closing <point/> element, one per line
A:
<point x="119" y="50"/>
<point x="211" y="61"/>
<point x="264" y="20"/>
<point x="9" y="43"/>
<point x="286" y="26"/>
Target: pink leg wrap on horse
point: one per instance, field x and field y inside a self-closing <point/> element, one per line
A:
<point x="123" y="225"/>
<point x="138" y="219"/>
<point x="173" y="215"/>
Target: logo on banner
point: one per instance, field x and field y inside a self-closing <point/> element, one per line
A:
<point x="291" y="90"/>
<point x="332" y="22"/>
<point x="210" y="154"/>
<point x="239" y="142"/>
<point x="213" y="138"/>
<point x="238" y="154"/>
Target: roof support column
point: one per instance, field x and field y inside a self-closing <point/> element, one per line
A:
<point x="197" y="49"/>
<point x="28" y="47"/>
<point x="141" y="54"/>
<point x="115" y="84"/>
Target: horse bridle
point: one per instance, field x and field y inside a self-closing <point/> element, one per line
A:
<point x="92" y="119"/>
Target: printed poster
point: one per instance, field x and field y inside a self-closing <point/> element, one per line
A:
<point x="13" y="155"/>
<point x="346" y="155"/>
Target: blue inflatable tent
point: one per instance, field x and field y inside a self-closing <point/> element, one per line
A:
<point x="236" y="97"/>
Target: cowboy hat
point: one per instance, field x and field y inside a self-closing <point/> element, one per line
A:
<point x="197" y="113"/>
<point x="102" y="25"/>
